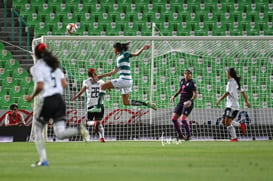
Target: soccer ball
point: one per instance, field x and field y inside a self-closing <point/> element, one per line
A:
<point x="71" y="28"/>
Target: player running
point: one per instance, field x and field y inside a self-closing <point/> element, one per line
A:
<point x="92" y="88"/>
<point x="233" y="87"/>
<point x="49" y="84"/>
<point x="188" y="92"/>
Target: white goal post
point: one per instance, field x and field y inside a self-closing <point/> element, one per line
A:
<point x="156" y="74"/>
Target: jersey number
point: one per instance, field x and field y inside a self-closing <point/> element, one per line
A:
<point x="53" y="78"/>
<point x="95" y="92"/>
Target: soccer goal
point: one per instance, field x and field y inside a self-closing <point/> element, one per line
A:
<point x="156" y="74"/>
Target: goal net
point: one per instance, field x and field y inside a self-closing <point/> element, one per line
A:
<point x="156" y="74"/>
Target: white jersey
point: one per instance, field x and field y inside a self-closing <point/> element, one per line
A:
<point x="92" y="91"/>
<point x="41" y="72"/>
<point x="233" y="97"/>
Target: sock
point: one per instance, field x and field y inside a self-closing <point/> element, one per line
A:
<point x="138" y="103"/>
<point x="101" y="96"/>
<point x="232" y="131"/>
<point x="101" y="131"/>
<point x="235" y="123"/>
<point x="187" y="127"/>
<point x="177" y="126"/>
<point x="39" y="141"/>
<point x="61" y="132"/>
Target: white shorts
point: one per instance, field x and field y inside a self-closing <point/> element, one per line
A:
<point x="124" y="85"/>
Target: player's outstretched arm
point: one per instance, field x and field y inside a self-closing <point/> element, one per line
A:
<point x="79" y="94"/>
<point x="114" y="71"/>
<point x="145" y="47"/>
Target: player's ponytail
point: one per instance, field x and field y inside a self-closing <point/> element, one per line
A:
<point x="121" y="47"/>
<point x="234" y="75"/>
<point x="51" y="60"/>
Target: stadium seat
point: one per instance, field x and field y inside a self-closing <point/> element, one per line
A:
<point x="45" y="9"/>
<point x="12" y="64"/>
<point x="18" y="4"/>
<point x="27" y="10"/>
<point x="33" y="19"/>
<point x="5" y="54"/>
<point x="62" y="9"/>
<point x="19" y="73"/>
<point x="70" y="18"/>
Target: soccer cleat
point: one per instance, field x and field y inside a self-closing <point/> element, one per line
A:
<point x="181" y="137"/>
<point x="234" y="140"/>
<point x="151" y="105"/>
<point x="84" y="133"/>
<point x="102" y="140"/>
<point x="94" y="109"/>
<point x="243" y="128"/>
<point x="40" y="164"/>
<point x="188" y="138"/>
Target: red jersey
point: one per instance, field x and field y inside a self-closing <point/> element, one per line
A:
<point x="13" y="120"/>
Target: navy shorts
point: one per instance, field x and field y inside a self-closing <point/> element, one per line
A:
<point x="95" y="116"/>
<point x="180" y="109"/>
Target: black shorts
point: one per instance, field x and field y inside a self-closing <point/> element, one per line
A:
<point x="95" y="116"/>
<point x="180" y="109"/>
<point x="53" y="107"/>
<point x="230" y="113"/>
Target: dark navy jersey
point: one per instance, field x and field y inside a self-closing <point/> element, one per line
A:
<point x="187" y="88"/>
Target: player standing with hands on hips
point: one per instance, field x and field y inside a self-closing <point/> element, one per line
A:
<point x="125" y="81"/>
<point x="188" y="92"/>
<point x="49" y="84"/>
<point x="233" y="87"/>
<point x="92" y="88"/>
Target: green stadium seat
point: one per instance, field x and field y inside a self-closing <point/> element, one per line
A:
<point x="52" y="19"/>
<point x="36" y="3"/>
<point x="27" y="82"/>
<point x="33" y="19"/>
<point x="70" y="18"/>
<point x="19" y="73"/>
<point x="12" y="64"/>
<point x="45" y="9"/>
<point x="16" y="91"/>
<point x="18" y="3"/>
<point x="5" y="54"/>
<point x="27" y="10"/>
<point x="72" y="3"/>
<point x="62" y="9"/>
<point x="86" y="19"/>
<point x="55" y="3"/>
<point x="42" y="30"/>
<point x="81" y="9"/>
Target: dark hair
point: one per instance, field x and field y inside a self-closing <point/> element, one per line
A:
<point x="234" y="75"/>
<point x="188" y="71"/>
<point x="121" y="47"/>
<point x="14" y="105"/>
<point x="50" y="59"/>
<point x="91" y="72"/>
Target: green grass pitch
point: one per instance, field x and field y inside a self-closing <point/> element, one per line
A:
<point x="140" y="161"/>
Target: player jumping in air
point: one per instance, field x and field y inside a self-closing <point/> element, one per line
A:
<point x="92" y="87"/>
<point x="125" y="81"/>
<point x="233" y="87"/>
<point x="188" y="92"/>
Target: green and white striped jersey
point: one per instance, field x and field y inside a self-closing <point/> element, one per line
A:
<point x="123" y="64"/>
